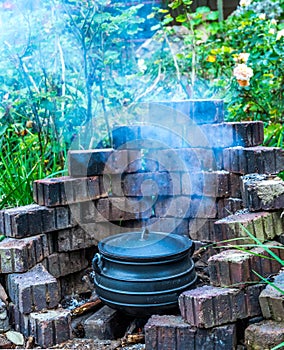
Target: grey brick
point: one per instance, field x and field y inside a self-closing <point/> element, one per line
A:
<point x="31" y="220"/>
<point x="272" y="300"/>
<point x="34" y="290"/>
<point x="171" y="332"/>
<point x="62" y="264"/>
<point x="50" y="328"/>
<point x="264" y="335"/>
<point x="106" y="323"/>
<point x="19" y="255"/>
<point x="262" y="192"/>
<point x="259" y="159"/>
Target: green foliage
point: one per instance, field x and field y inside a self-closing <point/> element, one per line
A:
<point x="62" y="63"/>
<point x="207" y="53"/>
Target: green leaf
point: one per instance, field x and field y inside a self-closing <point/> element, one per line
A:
<point x="181" y="18"/>
<point x="279" y="346"/>
<point x="212" y="16"/>
<point x="203" y="9"/>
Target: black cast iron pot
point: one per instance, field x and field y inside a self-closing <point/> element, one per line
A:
<point x="143" y="273"/>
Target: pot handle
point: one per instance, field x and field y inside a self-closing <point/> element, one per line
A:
<point x="192" y="248"/>
<point x="97" y="263"/>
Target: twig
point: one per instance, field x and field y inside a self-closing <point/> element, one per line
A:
<point x="63" y="72"/>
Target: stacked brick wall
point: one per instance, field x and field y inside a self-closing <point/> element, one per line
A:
<point x="182" y="170"/>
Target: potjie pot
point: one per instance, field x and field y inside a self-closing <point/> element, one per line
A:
<point x="143" y="273"/>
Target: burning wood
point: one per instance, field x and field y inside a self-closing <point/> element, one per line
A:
<point x="133" y="338"/>
<point x="88" y="306"/>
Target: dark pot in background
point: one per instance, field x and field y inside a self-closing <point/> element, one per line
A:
<point x="143" y="273"/>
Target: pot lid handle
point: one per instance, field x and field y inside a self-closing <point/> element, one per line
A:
<point x="144" y="234"/>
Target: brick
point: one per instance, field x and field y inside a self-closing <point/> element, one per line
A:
<point x="235" y="185"/>
<point x="62" y="264"/>
<point x="178" y="207"/>
<point x="74" y="238"/>
<point x="235" y="268"/>
<point x="34" y="290"/>
<point x="4" y="319"/>
<point x="100" y="161"/>
<point x="84" y="163"/>
<point x="204" y="207"/>
<point x="202" y="229"/>
<point x="201" y="111"/>
<point x="126" y="137"/>
<point x="105" y="324"/>
<point x="65" y="190"/>
<point x="151" y="184"/>
<point x="247" y="134"/>
<point x="228" y="206"/>
<point x="75" y="284"/>
<point x="116" y="209"/>
<point x="51" y="327"/>
<point x="19" y="255"/>
<point x="185" y="159"/>
<point x="262" y="192"/>
<point x="210" y="184"/>
<point x="185" y="207"/>
<point x="272" y="300"/>
<point x="208" y="306"/>
<point x="170" y="332"/>
<point x="264" y="335"/>
<point x="159" y="137"/>
<point x="259" y="159"/>
<point x="263" y="225"/>
<point x="33" y="219"/>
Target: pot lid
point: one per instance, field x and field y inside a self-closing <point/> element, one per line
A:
<point x="144" y="245"/>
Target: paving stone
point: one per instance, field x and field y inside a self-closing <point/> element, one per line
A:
<point x="19" y="255"/>
<point x="235" y="268"/>
<point x="259" y="159"/>
<point x="51" y="327"/>
<point x="263" y="225"/>
<point x="34" y="290"/>
<point x="31" y="220"/>
<point x="208" y="306"/>
<point x="4" y="319"/>
<point x="264" y="335"/>
<point x="62" y="264"/>
<point x="262" y="192"/>
<point x="170" y="332"/>
<point x="65" y="190"/>
<point x="106" y="323"/>
<point x="272" y="300"/>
